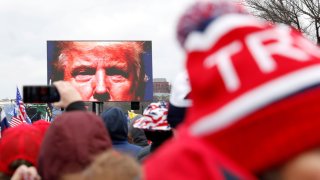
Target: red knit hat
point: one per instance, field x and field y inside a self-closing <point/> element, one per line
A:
<point x="19" y="143"/>
<point x="71" y="142"/>
<point x="254" y="90"/>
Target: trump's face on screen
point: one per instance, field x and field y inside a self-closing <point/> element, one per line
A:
<point x="103" y="71"/>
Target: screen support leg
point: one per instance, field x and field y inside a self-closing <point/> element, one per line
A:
<point x="97" y="108"/>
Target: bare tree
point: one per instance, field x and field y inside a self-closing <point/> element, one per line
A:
<point x="304" y="15"/>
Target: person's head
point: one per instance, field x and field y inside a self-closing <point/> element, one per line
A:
<point x="71" y="143"/>
<point x="19" y="145"/>
<point x="255" y="92"/>
<point x="109" y="165"/>
<point x="154" y="123"/>
<point x="103" y="71"/>
<point x="14" y="167"/>
<point x="116" y="123"/>
<point x="179" y="100"/>
<point x="303" y="166"/>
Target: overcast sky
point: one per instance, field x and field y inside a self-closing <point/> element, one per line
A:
<point x="26" y="25"/>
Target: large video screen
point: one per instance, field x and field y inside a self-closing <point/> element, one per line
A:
<point x="103" y="70"/>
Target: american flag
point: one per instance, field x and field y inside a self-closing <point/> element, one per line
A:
<point x="15" y="121"/>
<point x="17" y="118"/>
<point x="23" y="115"/>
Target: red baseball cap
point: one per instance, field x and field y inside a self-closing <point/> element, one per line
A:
<point x="42" y="125"/>
<point x="19" y="143"/>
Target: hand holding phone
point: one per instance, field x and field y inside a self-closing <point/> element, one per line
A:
<point x="62" y="94"/>
<point x="67" y="92"/>
<point x="40" y="94"/>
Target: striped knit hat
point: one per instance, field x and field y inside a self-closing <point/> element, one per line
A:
<point x="203" y="13"/>
<point x="19" y="143"/>
<point x="255" y="90"/>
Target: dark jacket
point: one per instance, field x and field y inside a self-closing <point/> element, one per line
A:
<point x="157" y="138"/>
<point x="143" y="154"/>
<point x="117" y="124"/>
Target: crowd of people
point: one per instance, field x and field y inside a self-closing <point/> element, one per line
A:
<point x="246" y="107"/>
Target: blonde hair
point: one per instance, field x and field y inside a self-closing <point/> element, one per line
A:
<point x="110" y="165"/>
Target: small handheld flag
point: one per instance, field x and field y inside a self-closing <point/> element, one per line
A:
<point x="22" y="108"/>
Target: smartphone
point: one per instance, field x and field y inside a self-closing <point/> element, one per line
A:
<point x="40" y="94"/>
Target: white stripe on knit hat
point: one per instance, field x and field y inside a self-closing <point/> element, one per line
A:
<point x="256" y="99"/>
<point x="203" y="40"/>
